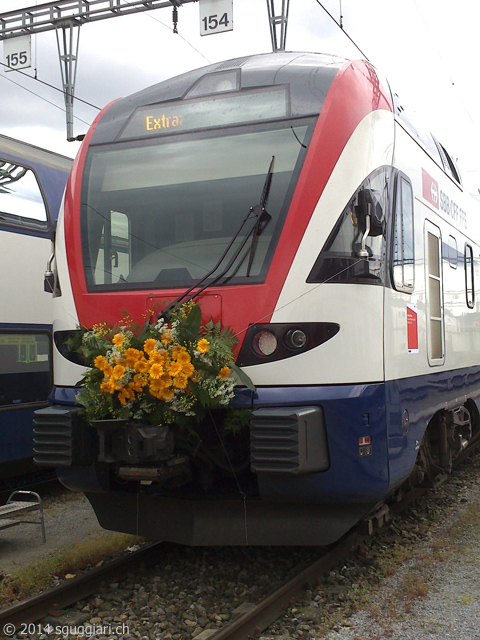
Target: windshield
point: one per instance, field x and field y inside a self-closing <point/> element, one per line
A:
<point x="161" y="212"/>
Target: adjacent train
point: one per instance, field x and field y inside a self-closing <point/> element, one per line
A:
<point x="354" y="297"/>
<point x="32" y="181"/>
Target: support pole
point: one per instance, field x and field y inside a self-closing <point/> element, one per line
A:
<point x="278" y="24"/>
<point x="68" y="37"/>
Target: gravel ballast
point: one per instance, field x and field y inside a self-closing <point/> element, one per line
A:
<point x="418" y="578"/>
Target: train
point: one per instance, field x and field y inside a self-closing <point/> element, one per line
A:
<point x="290" y="196"/>
<point x="32" y="181"/>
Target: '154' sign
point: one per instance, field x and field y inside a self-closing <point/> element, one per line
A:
<point x="215" y="16"/>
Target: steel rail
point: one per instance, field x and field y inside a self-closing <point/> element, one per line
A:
<point x="247" y="625"/>
<point x="71" y="591"/>
<point x="253" y="622"/>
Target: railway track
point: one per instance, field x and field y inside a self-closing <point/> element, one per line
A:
<point x="248" y="625"/>
<point x="71" y="591"/>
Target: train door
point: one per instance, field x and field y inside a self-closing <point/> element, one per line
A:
<point x="434" y="295"/>
<point x="403" y="336"/>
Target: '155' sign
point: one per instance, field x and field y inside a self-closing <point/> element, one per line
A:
<point x="17" y="53"/>
<point x="215" y="16"/>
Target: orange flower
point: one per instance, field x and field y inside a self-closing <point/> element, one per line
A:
<point x="118" y="372"/>
<point x="142" y="366"/>
<point x="224" y="373"/>
<point x="183" y="356"/>
<point x="126" y="394"/>
<point x="101" y="363"/>
<point x="167" y="336"/>
<point x="132" y="356"/>
<point x="180" y="381"/>
<point x="158" y="356"/>
<point x="149" y="345"/>
<point x="175" y="368"/>
<point x="140" y="380"/>
<point x="203" y="345"/>
<point x="118" y="339"/>
<point x="107" y="386"/>
<point x="156" y="371"/>
<point x="167" y="394"/>
<point x="188" y="369"/>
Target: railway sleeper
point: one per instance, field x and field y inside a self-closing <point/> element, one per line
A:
<point x="374" y="520"/>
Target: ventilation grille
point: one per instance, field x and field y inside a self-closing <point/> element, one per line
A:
<point x="53" y="437"/>
<point x="288" y="440"/>
<point x="232" y="64"/>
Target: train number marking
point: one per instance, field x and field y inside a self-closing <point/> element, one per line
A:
<point x="17" y="53"/>
<point x="216" y="16"/>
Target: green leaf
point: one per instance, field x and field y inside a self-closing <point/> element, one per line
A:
<point x="242" y="376"/>
<point x="193" y="322"/>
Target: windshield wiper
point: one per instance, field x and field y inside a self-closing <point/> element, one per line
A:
<point x="263" y="216"/>
<point x="260" y="219"/>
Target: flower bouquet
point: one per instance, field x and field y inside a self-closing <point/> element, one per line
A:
<point x="163" y="373"/>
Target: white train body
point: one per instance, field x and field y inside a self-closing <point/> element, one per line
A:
<point x="370" y="261"/>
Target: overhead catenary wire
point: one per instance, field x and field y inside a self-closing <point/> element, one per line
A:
<point x="37" y="95"/>
<point x="152" y="17"/>
<point x="47" y="84"/>
<point x="340" y="25"/>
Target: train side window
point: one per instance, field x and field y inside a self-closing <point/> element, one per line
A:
<point x="469" y="277"/>
<point x="434" y="294"/>
<point x="355" y="249"/>
<point x="21" y="200"/>
<point x="25" y="368"/>
<point x="403" y="254"/>
<point x="452" y="252"/>
<point x="449" y="165"/>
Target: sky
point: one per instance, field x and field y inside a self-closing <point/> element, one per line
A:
<point x="428" y="49"/>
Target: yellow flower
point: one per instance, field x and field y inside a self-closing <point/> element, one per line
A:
<point x="107" y="386"/>
<point x="118" y="372"/>
<point x="125" y="394"/>
<point x="224" y="373"/>
<point x="156" y="370"/>
<point x="167" y="336"/>
<point x="188" y="369"/>
<point x="176" y="350"/>
<point x="140" y="380"/>
<point x="142" y="366"/>
<point x="183" y="356"/>
<point x="158" y="356"/>
<point x="203" y="345"/>
<point x="167" y="394"/>
<point x="167" y="380"/>
<point x="132" y="356"/>
<point x="118" y="339"/>
<point x="101" y="363"/>
<point x="149" y="345"/>
<point x="156" y="388"/>
<point x="175" y="368"/>
<point x="180" y="381"/>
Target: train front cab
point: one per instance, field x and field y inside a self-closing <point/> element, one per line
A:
<point x="349" y="409"/>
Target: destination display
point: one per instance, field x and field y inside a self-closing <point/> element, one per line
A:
<point x="214" y="111"/>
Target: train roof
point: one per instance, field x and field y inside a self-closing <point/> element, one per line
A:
<point x="29" y="153"/>
<point x="309" y="76"/>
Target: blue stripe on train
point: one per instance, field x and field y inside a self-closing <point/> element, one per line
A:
<point x="353" y="412"/>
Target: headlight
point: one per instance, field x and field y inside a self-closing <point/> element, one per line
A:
<point x="264" y="343"/>
<point x="273" y="341"/>
<point x="295" y="339"/>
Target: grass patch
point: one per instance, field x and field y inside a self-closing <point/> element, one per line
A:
<point x="46" y="572"/>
